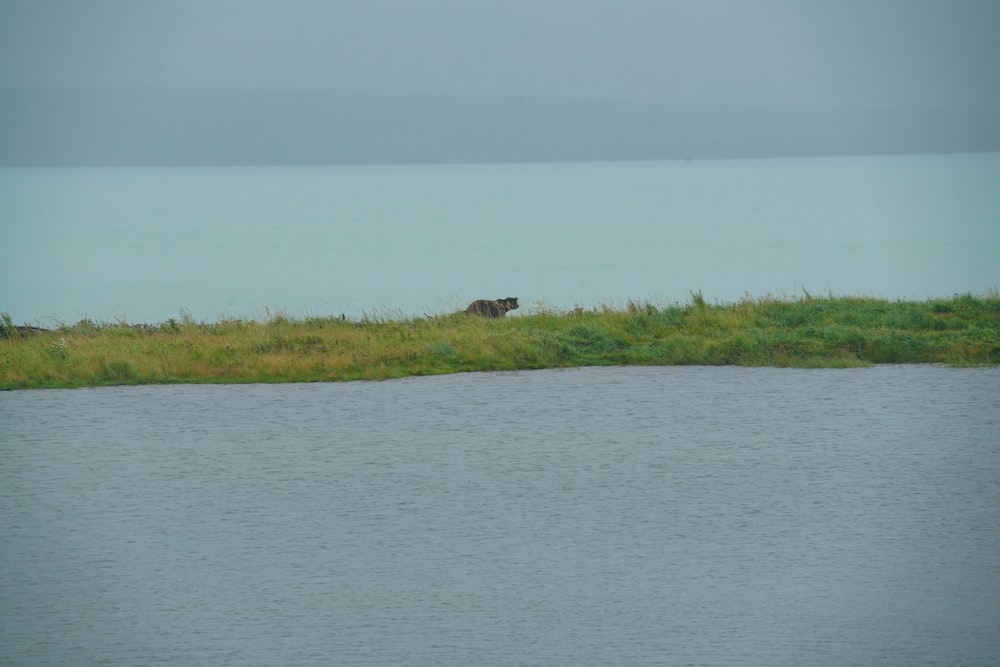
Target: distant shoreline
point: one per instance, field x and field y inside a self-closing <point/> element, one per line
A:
<point x="93" y="126"/>
<point x="810" y="332"/>
<point x="685" y="160"/>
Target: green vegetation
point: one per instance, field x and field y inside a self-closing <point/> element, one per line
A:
<point x="805" y="332"/>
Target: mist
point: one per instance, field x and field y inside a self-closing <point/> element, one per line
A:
<point x="307" y="82"/>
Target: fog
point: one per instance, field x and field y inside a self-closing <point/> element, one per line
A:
<point x="334" y="81"/>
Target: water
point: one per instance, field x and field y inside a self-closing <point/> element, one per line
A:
<point x="143" y="244"/>
<point x="689" y="516"/>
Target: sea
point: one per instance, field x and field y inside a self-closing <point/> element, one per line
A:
<point x="593" y="516"/>
<point x="590" y="516"/>
<point x="145" y="245"/>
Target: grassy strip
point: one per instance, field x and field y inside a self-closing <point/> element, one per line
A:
<point x="808" y="332"/>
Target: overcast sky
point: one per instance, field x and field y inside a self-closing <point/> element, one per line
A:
<point x="758" y="54"/>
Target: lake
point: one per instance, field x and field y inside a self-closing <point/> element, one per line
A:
<point x="149" y="244"/>
<point x="592" y="516"/>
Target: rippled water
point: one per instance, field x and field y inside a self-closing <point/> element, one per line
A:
<point x="589" y="517"/>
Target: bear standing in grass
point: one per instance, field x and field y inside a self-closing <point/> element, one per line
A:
<point x="487" y="308"/>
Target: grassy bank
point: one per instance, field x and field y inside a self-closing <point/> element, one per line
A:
<point x="806" y="332"/>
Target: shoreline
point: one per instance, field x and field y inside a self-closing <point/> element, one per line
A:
<point x="808" y="332"/>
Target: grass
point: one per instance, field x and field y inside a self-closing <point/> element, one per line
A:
<point x="807" y="332"/>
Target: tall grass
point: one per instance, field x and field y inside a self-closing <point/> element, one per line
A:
<point x="963" y="330"/>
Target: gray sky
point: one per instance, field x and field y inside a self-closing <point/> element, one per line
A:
<point x="782" y="55"/>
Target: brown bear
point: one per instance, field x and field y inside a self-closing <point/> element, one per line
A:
<point x="487" y="308"/>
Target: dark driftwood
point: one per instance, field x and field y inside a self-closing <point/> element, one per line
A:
<point x="19" y="331"/>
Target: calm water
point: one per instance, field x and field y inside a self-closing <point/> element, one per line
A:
<point x="142" y="244"/>
<point x="689" y="516"/>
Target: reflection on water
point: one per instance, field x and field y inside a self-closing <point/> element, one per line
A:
<point x="589" y="516"/>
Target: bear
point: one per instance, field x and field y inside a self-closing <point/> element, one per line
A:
<point x="496" y="308"/>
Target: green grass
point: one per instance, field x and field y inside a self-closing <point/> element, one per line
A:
<point x="808" y="332"/>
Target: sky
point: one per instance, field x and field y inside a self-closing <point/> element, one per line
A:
<point x="470" y="79"/>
